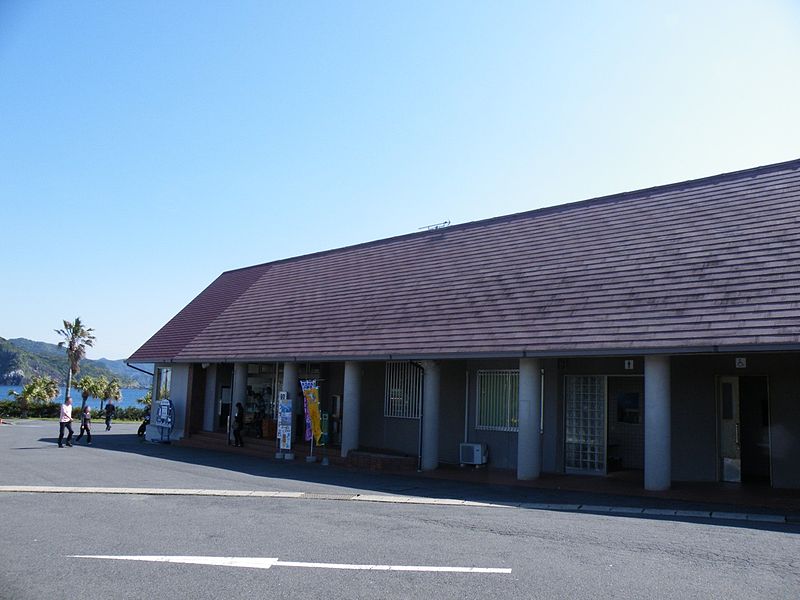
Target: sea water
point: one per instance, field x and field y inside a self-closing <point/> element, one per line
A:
<point x="129" y="396"/>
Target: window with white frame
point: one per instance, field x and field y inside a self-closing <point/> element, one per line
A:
<point x="498" y="400"/>
<point x="403" y="397"/>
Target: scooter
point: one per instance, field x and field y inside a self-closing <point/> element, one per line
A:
<point x="145" y="423"/>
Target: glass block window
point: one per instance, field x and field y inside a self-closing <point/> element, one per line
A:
<point x="585" y="423"/>
<point x="498" y="400"/>
<point x="403" y="396"/>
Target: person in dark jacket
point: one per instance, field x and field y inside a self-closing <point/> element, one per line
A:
<point x="86" y="425"/>
<point x="110" y="410"/>
<point x="238" y="424"/>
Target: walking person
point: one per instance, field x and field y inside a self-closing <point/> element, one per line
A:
<point x="110" y="410"/>
<point x="238" y="424"/>
<point x="86" y="425"/>
<point x="65" y="422"/>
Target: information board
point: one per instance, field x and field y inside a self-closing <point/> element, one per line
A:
<point x="284" y="421"/>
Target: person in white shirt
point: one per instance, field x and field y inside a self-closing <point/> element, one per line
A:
<point x="65" y="422"/>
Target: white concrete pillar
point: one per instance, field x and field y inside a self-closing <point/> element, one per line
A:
<point x="430" y="416"/>
<point x="657" y="424"/>
<point x="529" y="444"/>
<point x="289" y="383"/>
<point x="238" y="391"/>
<point x="209" y="406"/>
<point x="351" y="406"/>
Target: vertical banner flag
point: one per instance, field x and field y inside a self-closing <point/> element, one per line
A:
<point x="311" y="402"/>
<point x="284" y="421"/>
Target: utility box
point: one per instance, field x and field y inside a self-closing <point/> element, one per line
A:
<point x="473" y="454"/>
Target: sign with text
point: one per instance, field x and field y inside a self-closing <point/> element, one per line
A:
<point x="284" y="421"/>
<point x="164" y="413"/>
<point x="311" y="402"/>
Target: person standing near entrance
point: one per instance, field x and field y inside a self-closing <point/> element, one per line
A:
<point x="86" y="425"/>
<point x="65" y="422"/>
<point x="110" y="410"/>
<point x="238" y="424"/>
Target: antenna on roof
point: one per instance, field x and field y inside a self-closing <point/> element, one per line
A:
<point x="441" y="225"/>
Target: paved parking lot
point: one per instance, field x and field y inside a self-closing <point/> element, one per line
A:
<point x="136" y="519"/>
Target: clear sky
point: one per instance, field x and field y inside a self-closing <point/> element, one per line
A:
<point x="148" y="146"/>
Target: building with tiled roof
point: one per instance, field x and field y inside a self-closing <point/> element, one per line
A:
<point x="654" y="330"/>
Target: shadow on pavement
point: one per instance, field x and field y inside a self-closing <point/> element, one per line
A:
<point x="414" y="484"/>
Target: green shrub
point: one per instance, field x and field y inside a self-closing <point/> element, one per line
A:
<point x="44" y="411"/>
<point x="129" y="413"/>
<point x="9" y="409"/>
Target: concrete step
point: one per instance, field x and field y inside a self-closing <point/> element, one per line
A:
<point x="260" y="447"/>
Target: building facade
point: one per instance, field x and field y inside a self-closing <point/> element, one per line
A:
<point x="655" y="330"/>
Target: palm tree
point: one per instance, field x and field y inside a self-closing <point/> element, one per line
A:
<point x="102" y="384"/>
<point x="89" y="386"/>
<point x="111" y="391"/>
<point x="76" y="339"/>
<point x="147" y="399"/>
<point x="40" y="390"/>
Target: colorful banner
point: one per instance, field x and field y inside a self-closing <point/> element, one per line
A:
<point x="311" y="403"/>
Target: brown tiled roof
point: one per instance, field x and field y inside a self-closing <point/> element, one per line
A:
<point x="710" y="264"/>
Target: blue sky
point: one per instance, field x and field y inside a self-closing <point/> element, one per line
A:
<point x="146" y="147"/>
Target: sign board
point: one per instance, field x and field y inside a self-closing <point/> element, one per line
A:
<point x="164" y="414"/>
<point x="741" y="363"/>
<point x="284" y="421"/>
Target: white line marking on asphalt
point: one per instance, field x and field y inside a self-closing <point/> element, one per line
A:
<point x="219" y="561"/>
<point x="266" y="563"/>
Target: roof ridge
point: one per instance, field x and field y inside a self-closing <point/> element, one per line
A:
<point x="617" y="196"/>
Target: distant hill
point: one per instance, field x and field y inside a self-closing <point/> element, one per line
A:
<point x="21" y="359"/>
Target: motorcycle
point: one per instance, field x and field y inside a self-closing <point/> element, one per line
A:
<point x="145" y="423"/>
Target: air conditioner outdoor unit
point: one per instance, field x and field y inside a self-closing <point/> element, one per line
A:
<point x="473" y="454"/>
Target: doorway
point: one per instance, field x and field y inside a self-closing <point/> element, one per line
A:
<point x="604" y="423"/>
<point x="744" y="441"/>
<point x="222" y="402"/>
<point x="197" y="395"/>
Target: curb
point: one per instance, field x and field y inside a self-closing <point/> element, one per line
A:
<point x="416" y="500"/>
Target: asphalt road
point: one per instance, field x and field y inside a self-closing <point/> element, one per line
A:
<point x="550" y="554"/>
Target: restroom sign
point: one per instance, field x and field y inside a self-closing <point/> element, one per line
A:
<point x="741" y="362"/>
<point x="629" y="365"/>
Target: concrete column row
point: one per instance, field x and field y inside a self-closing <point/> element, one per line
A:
<point x="657" y="420"/>
<point x="657" y="423"/>
<point x="529" y="440"/>
<point x="351" y="406"/>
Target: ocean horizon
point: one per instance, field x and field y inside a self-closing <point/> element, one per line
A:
<point x="129" y="396"/>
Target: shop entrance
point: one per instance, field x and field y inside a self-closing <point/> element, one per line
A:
<point x="744" y="445"/>
<point x="604" y="418"/>
<point x="222" y="402"/>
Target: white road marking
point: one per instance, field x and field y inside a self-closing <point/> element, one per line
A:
<point x="219" y="561"/>
<point x="266" y="563"/>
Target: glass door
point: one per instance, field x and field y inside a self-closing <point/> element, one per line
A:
<point x="585" y="424"/>
<point x="730" y="444"/>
